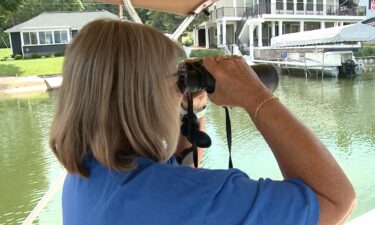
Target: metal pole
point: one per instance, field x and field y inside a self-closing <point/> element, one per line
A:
<point x="133" y="14"/>
<point x="177" y="33"/>
<point x="323" y="66"/>
<point x="121" y="12"/>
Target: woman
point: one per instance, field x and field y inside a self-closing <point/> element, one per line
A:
<point x="116" y="129"/>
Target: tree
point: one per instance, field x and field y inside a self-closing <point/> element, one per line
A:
<point x="164" y="22"/>
<point x="32" y="8"/>
<point x="7" y="7"/>
<point x="95" y="6"/>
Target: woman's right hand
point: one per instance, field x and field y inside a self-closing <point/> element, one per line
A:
<point x="236" y="83"/>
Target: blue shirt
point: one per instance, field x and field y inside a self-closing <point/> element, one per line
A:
<point x="161" y="193"/>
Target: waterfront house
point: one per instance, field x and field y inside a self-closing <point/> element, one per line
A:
<point x="50" y="32"/>
<point x="250" y="24"/>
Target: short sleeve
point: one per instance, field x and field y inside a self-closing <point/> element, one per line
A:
<point x="240" y="200"/>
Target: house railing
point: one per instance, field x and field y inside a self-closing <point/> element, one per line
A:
<point x="227" y="12"/>
<point x="320" y="9"/>
<point x="291" y="9"/>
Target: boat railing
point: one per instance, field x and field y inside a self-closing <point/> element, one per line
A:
<point x="45" y="199"/>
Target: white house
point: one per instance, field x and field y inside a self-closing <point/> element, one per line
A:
<point x="252" y="23"/>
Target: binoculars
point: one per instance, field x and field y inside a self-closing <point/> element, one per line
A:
<point x="193" y="77"/>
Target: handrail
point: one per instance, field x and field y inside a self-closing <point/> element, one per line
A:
<point x="320" y="9"/>
<point x="45" y="199"/>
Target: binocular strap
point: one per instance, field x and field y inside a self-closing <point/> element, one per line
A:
<point x="228" y="128"/>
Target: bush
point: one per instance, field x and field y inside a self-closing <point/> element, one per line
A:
<point x="365" y="51"/>
<point x="201" y="53"/>
<point x="58" y="54"/>
<point x="18" y="57"/>
<point x="35" y="56"/>
<point x="188" y="42"/>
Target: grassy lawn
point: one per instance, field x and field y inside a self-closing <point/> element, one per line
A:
<point x="31" y="67"/>
<point x="5" y="52"/>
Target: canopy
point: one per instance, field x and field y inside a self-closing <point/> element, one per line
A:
<point x="180" y="7"/>
<point x="349" y="33"/>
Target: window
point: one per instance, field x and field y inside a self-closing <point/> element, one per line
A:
<point x="45" y="37"/>
<point x="290" y="5"/>
<point x="26" y="38"/>
<point x="30" y="38"/>
<point x="300" y="5"/>
<point x="309" y="5"/>
<point x="33" y="38"/>
<point x="319" y="5"/>
<point x="249" y="3"/>
<point x="61" y="37"/>
<point x="279" y="5"/>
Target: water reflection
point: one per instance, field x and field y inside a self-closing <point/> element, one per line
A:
<point x="24" y="167"/>
<point x="340" y="112"/>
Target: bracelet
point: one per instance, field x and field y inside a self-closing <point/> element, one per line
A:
<point x="261" y="104"/>
<point x="199" y="113"/>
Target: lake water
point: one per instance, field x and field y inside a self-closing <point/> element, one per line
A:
<point x="340" y="112"/>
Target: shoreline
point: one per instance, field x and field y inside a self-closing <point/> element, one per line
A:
<point x="16" y="86"/>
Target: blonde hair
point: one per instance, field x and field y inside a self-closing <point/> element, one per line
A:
<point x="115" y="88"/>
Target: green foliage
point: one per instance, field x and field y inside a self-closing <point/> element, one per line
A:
<point x="188" y="42"/>
<point x="4" y="40"/>
<point x="365" y="51"/>
<point x="18" y="57"/>
<point x="201" y="53"/>
<point x="7" y="7"/>
<point x="200" y="18"/>
<point x="95" y="6"/>
<point x="58" y="54"/>
<point x="164" y="22"/>
<point x="31" y="8"/>
<point x="35" y="56"/>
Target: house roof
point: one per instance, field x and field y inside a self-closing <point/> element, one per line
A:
<point x="73" y="20"/>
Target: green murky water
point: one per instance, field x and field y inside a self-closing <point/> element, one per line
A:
<point x="340" y="112"/>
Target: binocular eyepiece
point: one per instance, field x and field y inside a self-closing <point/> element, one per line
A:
<point x="193" y="77"/>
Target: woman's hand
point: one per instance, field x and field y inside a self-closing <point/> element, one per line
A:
<point x="236" y="83"/>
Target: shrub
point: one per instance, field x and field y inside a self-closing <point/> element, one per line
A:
<point x="18" y="57"/>
<point x="35" y="56"/>
<point x="188" y="42"/>
<point x="365" y="51"/>
<point x="201" y="53"/>
<point x="58" y="54"/>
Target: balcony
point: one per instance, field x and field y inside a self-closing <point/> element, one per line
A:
<point x="291" y="9"/>
<point x="308" y="9"/>
<point x="227" y="12"/>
